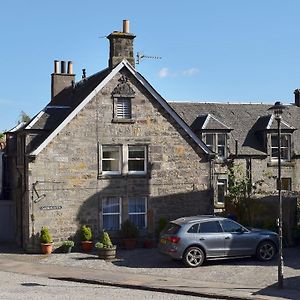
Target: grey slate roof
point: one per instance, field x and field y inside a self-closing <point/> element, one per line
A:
<point x="247" y="121"/>
<point x="58" y="110"/>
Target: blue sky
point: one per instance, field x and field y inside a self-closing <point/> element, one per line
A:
<point x="212" y="50"/>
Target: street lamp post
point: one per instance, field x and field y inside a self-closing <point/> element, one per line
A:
<point x="278" y="108"/>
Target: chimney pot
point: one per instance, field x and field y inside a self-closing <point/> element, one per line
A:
<point x="56" y="66"/>
<point x="70" y="67"/>
<point x="63" y="67"/>
<point x="125" y="26"/>
<point x="297" y="97"/>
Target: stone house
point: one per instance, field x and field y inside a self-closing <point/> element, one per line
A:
<point x="104" y="149"/>
<point x="109" y="147"/>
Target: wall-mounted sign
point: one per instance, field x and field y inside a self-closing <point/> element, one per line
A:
<point x="50" y="207"/>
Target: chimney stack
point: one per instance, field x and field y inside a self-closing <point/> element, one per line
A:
<point x="60" y="79"/>
<point x="121" y="46"/>
<point x="297" y="97"/>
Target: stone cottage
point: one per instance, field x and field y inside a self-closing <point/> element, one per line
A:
<point x="109" y="148"/>
<point x="105" y="149"/>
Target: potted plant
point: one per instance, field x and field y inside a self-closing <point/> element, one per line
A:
<point x="106" y="250"/>
<point x="86" y="238"/>
<point x="46" y="240"/>
<point x="149" y="242"/>
<point x="129" y="234"/>
<point x="67" y="246"/>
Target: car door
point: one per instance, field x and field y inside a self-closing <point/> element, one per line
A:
<point x="238" y="240"/>
<point x="211" y="237"/>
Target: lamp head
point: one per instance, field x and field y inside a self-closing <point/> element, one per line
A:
<point x="277" y="109"/>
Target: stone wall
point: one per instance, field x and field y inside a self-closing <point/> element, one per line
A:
<point x="67" y="178"/>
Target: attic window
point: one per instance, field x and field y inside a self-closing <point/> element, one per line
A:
<point x="122" y="96"/>
<point x="123" y="108"/>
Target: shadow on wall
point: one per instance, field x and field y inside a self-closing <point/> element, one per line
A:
<point x="168" y="205"/>
<point x="263" y="213"/>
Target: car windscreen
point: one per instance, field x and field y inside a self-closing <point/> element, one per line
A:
<point x="171" y="228"/>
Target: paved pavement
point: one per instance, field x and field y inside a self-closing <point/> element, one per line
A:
<point x="146" y="269"/>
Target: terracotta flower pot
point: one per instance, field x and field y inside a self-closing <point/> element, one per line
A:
<point x="87" y="246"/>
<point x="129" y="244"/>
<point x="149" y="244"/>
<point x="46" y="248"/>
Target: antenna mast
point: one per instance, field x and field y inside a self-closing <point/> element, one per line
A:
<point x="140" y="56"/>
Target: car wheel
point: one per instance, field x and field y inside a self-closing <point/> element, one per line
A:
<point x="193" y="257"/>
<point x="266" y="251"/>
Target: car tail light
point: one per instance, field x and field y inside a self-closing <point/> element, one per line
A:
<point x="173" y="239"/>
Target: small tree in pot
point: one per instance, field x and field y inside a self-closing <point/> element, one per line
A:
<point x="46" y="240"/>
<point x="129" y="234"/>
<point x="106" y="250"/>
<point x="86" y="238"/>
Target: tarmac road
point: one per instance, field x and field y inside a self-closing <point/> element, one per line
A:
<point x="18" y="287"/>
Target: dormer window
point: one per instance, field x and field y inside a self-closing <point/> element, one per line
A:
<point x="285" y="147"/>
<point x="216" y="142"/>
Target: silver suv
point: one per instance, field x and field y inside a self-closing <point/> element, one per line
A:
<point x="195" y="239"/>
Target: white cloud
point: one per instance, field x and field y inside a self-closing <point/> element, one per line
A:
<point x="164" y="72"/>
<point x="190" y="72"/>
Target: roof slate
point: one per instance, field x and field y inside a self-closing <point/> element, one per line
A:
<point x="245" y="120"/>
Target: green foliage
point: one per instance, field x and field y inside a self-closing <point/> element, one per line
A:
<point x="99" y="245"/>
<point x="162" y="223"/>
<point x="2" y="136"/>
<point x="68" y="243"/>
<point x="86" y="233"/>
<point x="105" y="242"/>
<point x="45" y="237"/>
<point x="129" y="230"/>
<point x="239" y="199"/>
<point x="23" y="117"/>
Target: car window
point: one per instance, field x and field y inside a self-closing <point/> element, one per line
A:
<point x="194" y="228"/>
<point x="171" y="228"/>
<point x="230" y="226"/>
<point x="210" y="227"/>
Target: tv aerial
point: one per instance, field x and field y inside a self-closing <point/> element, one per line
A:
<point x="140" y="56"/>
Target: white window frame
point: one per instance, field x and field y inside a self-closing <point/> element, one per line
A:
<point x="112" y="214"/>
<point x="288" y="147"/>
<point x="215" y="146"/>
<point x="136" y="159"/>
<point x="221" y="182"/>
<point x="140" y="213"/>
<point x="119" y="171"/>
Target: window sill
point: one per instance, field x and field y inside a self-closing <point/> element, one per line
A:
<point x="219" y="205"/>
<point x="124" y="121"/>
<point x="121" y="176"/>
<point x="221" y="160"/>
<point x="283" y="164"/>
